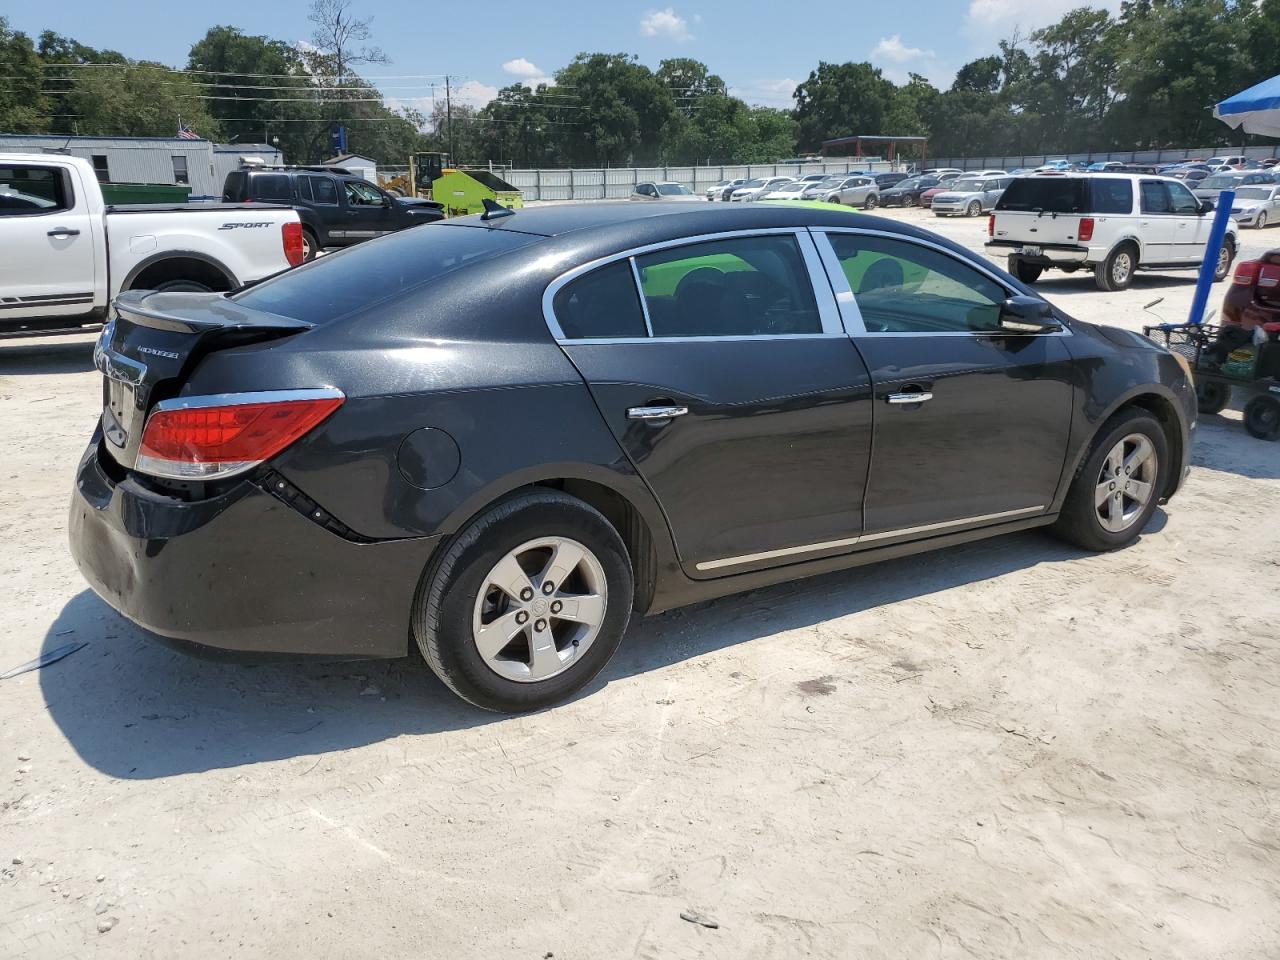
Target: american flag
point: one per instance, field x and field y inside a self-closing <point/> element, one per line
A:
<point x="185" y="132"/>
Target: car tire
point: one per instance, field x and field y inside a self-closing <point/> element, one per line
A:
<point x="310" y="245"/>
<point x="458" y="598"/>
<point x="908" y="201"/>
<point x="1081" y="520"/>
<point x="871" y="202"/>
<point x="1116" y="272"/>
<point x="183" y="286"/>
<point x="1225" y="258"/>
<point x="1212" y="396"/>
<point x="1026" y="272"/>
<point x="974" y="209"/>
<point x="1261" y="222"/>
<point x="1262" y="417"/>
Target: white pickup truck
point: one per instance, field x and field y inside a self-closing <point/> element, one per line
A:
<point x="64" y="254"/>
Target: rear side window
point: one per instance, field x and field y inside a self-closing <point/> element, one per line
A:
<point x="323" y="189"/>
<point x="1111" y="196"/>
<point x="272" y="186"/>
<point x="28" y="190"/>
<point x="740" y="287"/>
<point x="1155" y="198"/>
<point x="602" y="304"/>
<point x="376" y="273"/>
<point x="1047" y="194"/>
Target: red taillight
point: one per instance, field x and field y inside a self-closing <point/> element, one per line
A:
<point x="204" y="437"/>
<point x="1268" y="276"/>
<point x="1085" y="233"/>
<point x="291" y="233"/>
<point x="1247" y="272"/>
<point x="991" y="225"/>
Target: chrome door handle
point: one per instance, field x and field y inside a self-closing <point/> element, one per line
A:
<point x="63" y="232"/>
<point x="915" y="396"/>
<point x="655" y="413"/>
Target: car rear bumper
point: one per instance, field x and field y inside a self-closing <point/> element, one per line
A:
<point x="241" y="573"/>
<point x="1048" y="256"/>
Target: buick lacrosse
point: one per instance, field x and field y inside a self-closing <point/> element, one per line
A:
<point x="502" y="436"/>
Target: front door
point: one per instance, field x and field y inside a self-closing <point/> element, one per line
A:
<point x="1190" y="226"/>
<point x="1157" y="223"/>
<point x="734" y="393"/>
<point x="48" y="265"/>
<point x="970" y="424"/>
<point x="368" y="212"/>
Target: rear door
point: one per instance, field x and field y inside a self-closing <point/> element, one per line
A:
<point x="971" y="424"/>
<point x="324" y="201"/>
<point x="48" y="263"/>
<point x="732" y="389"/>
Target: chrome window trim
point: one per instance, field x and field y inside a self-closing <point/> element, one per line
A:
<point x="827" y="312"/>
<point x="258" y="396"/>
<point x="852" y="316"/>
<point x="866" y="538"/>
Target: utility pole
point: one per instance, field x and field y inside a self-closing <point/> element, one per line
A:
<point x="448" y="113"/>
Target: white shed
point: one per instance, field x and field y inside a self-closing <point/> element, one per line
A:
<point x="364" y="167"/>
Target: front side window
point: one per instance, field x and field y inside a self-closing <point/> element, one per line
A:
<point x="739" y="287"/>
<point x="603" y="304"/>
<point x="362" y="195"/>
<point x="27" y="190"/>
<point x="1181" y="200"/>
<point x="903" y="287"/>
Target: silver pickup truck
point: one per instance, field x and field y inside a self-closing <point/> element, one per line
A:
<point x="66" y="254"/>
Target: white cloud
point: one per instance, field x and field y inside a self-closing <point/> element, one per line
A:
<point x="1027" y="14"/>
<point x="520" y="67"/>
<point x="767" y="93"/>
<point x="665" y="23"/>
<point x="473" y="92"/>
<point x="892" y="48"/>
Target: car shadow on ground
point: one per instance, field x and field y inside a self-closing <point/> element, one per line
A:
<point x="136" y="709"/>
<point x="45" y="357"/>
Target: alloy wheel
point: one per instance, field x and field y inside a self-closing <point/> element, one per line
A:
<point x="1126" y="483"/>
<point x="1224" y="262"/>
<point x="1121" y="267"/>
<point x="1262" y="220"/>
<point x="539" y="609"/>
<point x="975" y="208"/>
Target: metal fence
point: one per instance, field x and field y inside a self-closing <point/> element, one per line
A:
<point x="1122" y="156"/>
<point x="619" y="182"/>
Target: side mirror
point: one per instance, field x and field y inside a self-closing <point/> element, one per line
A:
<point x="1026" y="315"/>
<point x="1206" y="206"/>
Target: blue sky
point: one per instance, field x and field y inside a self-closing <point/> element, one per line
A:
<point x="761" y="50"/>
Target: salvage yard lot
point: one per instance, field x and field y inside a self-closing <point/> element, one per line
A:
<point x="1005" y="749"/>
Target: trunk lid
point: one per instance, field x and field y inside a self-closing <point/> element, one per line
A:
<point x="1036" y="211"/>
<point x="152" y="343"/>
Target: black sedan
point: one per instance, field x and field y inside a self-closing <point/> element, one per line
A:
<point x="498" y="439"/>
<point x="907" y="192"/>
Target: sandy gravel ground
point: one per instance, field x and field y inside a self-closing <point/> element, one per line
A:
<point x="1004" y="750"/>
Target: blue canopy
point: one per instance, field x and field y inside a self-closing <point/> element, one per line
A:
<point x="1256" y="110"/>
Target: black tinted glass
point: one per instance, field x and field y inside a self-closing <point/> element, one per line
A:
<point x="603" y="304"/>
<point x="31" y="190"/>
<point x="1050" y="194"/>
<point x="745" y="286"/>
<point x="323" y="190"/>
<point x="375" y="273"/>
<point x="271" y="186"/>
<point x="1111" y="196"/>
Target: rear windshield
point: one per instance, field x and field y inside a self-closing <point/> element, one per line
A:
<point x="375" y="273"/>
<point x="1045" y="194"/>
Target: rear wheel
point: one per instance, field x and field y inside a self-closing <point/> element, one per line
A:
<point x="1026" y="272"/>
<point x="974" y="209"/>
<point x="908" y="201"/>
<point x="1117" y="487"/>
<point x="1262" y="417"/>
<point x="1116" y="272"/>
<point x="310" y="246"/>
<point x="183" y="286"/>
<point x="527" y="605"/>
<point x="1212" y="396"/>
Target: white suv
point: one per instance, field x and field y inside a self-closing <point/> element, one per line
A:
<point x="1112" y="223"/>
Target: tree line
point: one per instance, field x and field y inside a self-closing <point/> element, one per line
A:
<point x="1145" y="77"/>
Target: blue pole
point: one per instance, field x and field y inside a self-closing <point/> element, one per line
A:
<point x="1216" y="235"/>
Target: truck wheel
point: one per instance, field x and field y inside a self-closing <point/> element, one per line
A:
<point x="1225" y="256"/>
<point x="1212" y="396"/>
<point x="1117" y="487"/>
<point x="1026" y="272"/>
<point x="527" y="604"/>
<point x="1262" y="417"/>
<point x="310" y="246"/>
<point x="1116" y="272"/>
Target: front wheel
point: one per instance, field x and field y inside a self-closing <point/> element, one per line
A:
<point x="909" y="201"/>
<point x="527" y="605"/>
<point x="1262" y="417"/>
<point x="871" y="202"/>
<point x="1225" y="256"/>
<point x="1117" y="487"/>
<point x="974" y="209"/>
<point x="1261" y="222"/>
